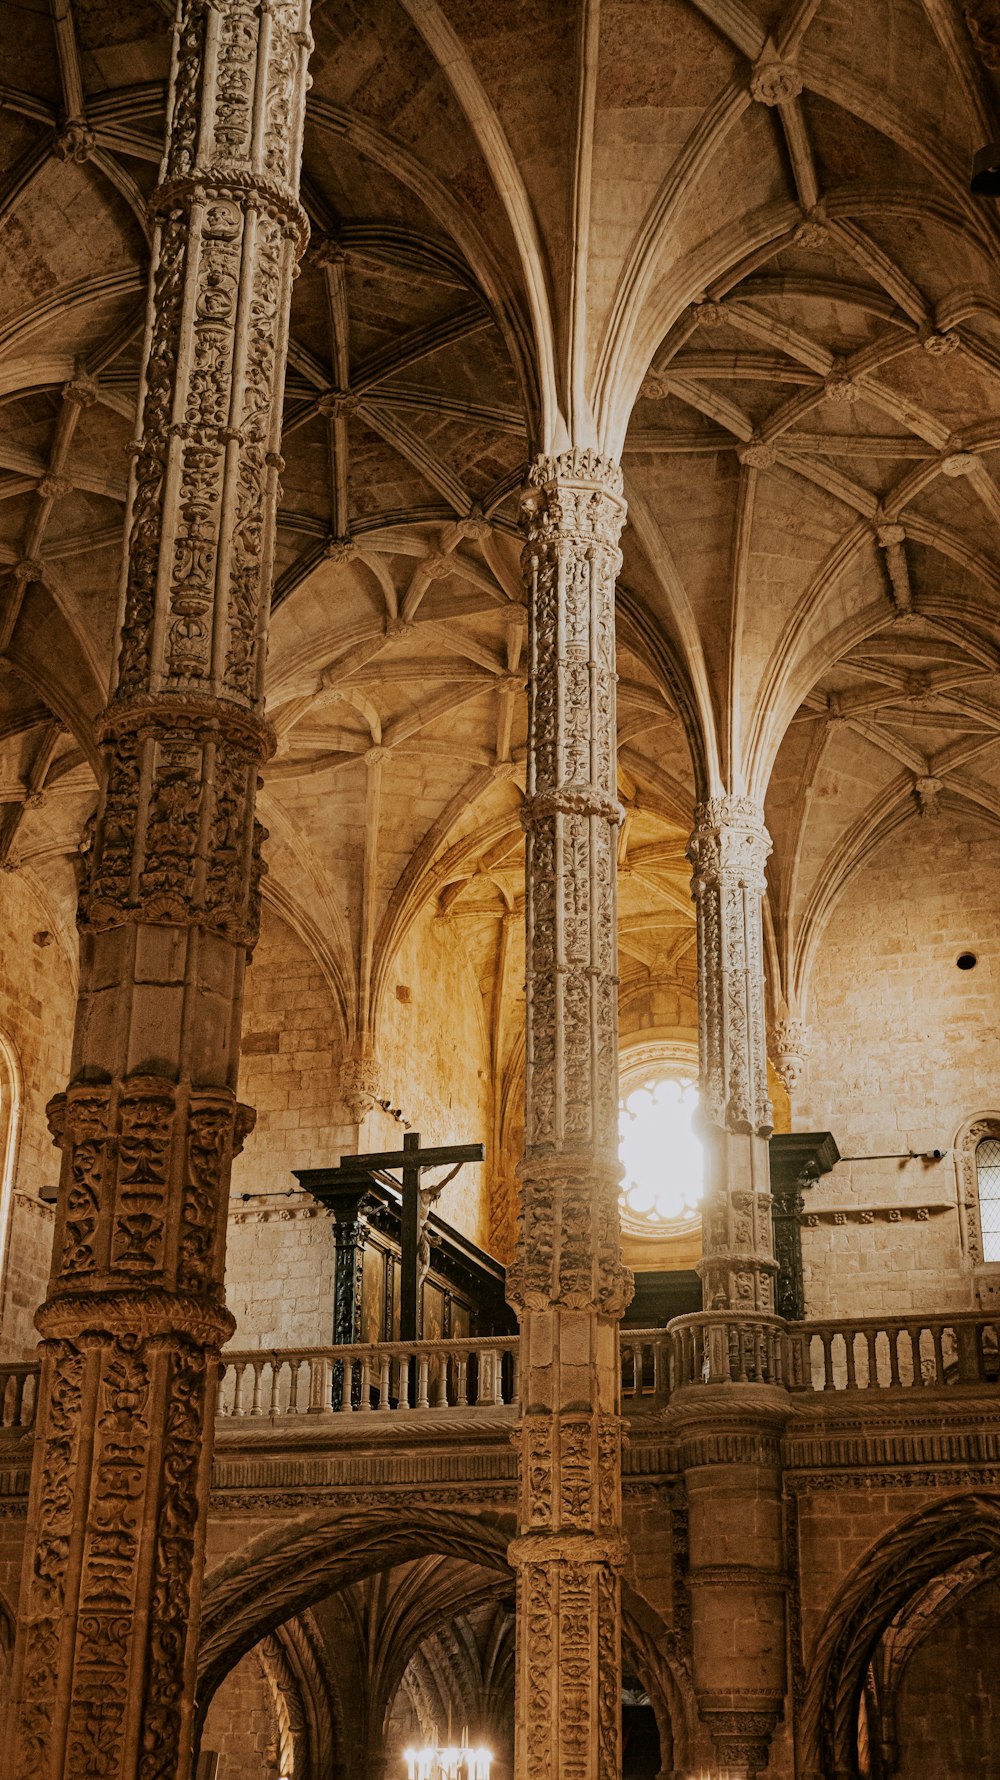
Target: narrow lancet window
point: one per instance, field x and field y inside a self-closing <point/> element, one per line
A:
<point x="988" y="1183"/>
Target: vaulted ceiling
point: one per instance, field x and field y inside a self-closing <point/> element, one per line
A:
<point x="730" y="240"/>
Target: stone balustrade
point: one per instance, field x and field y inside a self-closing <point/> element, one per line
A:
<point x="359" y="1379"/>
<point x="723" y="1347"/>
<point x="879" y="1353"/>
<point x="18" y="1391"/>
<point x="874" y="1353"/>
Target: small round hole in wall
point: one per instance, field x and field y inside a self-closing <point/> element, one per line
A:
<point x="966" y="961"/>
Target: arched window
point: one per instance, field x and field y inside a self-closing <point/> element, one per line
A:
<point x="988" y="1190"/>
<point x="660" y="1150"/>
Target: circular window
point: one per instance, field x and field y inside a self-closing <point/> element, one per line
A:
<point x="966" y="961"/>
<point x="661" y="1154"/>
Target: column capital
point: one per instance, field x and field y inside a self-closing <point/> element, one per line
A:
<point x="359" y="1085"/>
<point x="729" y="838"/>
<point x="791" y="1045"/>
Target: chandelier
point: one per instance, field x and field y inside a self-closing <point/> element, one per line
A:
<point x="450" y="1762"/>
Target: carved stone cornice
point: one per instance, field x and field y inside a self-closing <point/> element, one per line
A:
<point x="742" y="1738"/>
<point x="144" y="1315"/>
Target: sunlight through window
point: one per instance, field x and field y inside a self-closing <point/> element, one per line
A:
<point x="660" y="1151"/>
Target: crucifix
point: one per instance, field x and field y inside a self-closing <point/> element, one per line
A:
<point x="416" y="1206"/>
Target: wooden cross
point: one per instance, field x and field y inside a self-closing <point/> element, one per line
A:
<point x="411" y="1159"/>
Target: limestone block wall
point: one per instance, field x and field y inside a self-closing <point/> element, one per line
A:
<point x="906" y="1050"/>
<point x="947" y="1711"/>
<point x="241" y="1725"/>
<point x="279" y="1261"/>
<point x="37" y="1005"/>
<point x="433" y="1048"/>
<point x="433" y="1058"/>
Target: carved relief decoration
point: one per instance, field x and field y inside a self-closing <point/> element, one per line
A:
<point x="568" y="1278"/>
<point x="728" y="850"/>
<point x="573" y="515"/>
<point x="968" y="1182"/>
<point x="103" y="1685"/>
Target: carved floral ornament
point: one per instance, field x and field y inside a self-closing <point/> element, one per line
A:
<point x="176" y="840"/>
<point x="135" y="1316"/>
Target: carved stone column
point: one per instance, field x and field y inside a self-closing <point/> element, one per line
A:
<point x="728" y="850"/>
<point x="567" y="1284"/>
<point x="148" y="1126"/>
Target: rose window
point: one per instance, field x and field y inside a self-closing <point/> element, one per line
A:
<point x="660" y="1153"/>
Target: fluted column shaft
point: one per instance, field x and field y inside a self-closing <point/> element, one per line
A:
<point x="567" y="1284"/>
<point x="149" y="1123"/>
<point x="728" y="850"/>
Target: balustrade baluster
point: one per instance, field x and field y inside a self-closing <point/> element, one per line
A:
<point x="849" y="1340"/>
<point x="488" y="1371"/>
<point x="403" y="1398"/>
<point x="347" y="1389"/>
<point x="871" y="1337"/>
<point x="462" y="1382"/>
<point x="937" y="1336"/>
<point x="422" y="1400"/>
<point x="441" y="1394"/>
<point x="293" y="1387"/>
<point x="365" y="1400"/>
<point x="277" y="1366"/>
<point x="515" y="1385"/>
<point x="320" y="1383"/>
<point x="827" y="1340"/>
<point x="893" y="1356"/>
<point x="385" y="1375"/>
<point x="258" y="1382"/>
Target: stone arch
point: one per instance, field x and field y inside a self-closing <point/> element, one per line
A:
<point x="984" y="1124"/>
<point x="649" y="1646"/>
<point x="8" y="1626"/>
<point x="904" y="1562"/>
<point x="279" y="1574"/>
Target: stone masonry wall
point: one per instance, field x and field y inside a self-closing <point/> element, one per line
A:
<point x="906" y="1050"/>
<point x="947" y="1709"/>
<point x="431" y="1044"/>
<point x="433" y="1050"/>
<point x="241" y="1725"/>
<point x="279" y="1262"/>
<point x="37" y="1003"/>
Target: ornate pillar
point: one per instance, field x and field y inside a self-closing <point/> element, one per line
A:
<point x="567" y="1284"/>
<point x="728" y="850"/>
<point x="148" y="1126"/>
